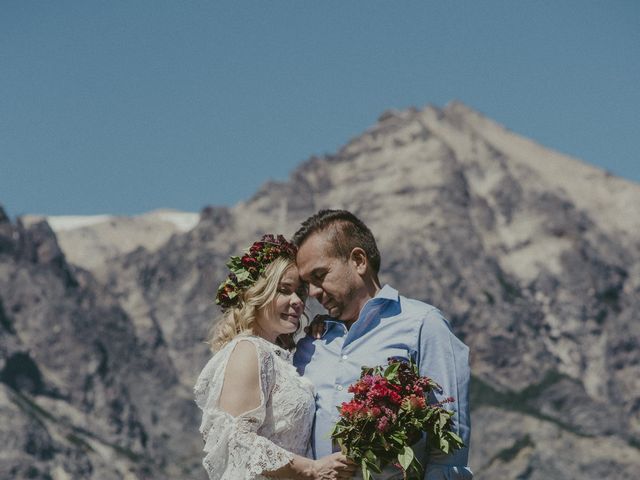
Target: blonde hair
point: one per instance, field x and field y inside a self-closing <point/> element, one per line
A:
<point x="241" y="318"/>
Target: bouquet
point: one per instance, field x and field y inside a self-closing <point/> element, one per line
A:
<point x="388" y="413"/>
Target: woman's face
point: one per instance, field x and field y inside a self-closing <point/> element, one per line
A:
<point x="283" y="315"/>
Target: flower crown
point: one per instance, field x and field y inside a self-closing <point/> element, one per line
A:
<point x="246" y="270"/>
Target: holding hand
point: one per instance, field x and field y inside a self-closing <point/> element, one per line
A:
<point x="317" y="326"/>
<point x="333" y="467"/>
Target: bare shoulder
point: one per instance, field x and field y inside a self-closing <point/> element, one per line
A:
<point x="243" y="362"/>
<point x="241" y="387"/>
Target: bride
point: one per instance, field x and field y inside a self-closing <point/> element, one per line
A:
<point x="257" y="412"/>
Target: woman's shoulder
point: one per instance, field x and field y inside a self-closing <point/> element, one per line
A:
<point x="243" y="356"/>
<point x="245" y="338"/>
<point x="248" y="342"/>
<point x="243" y="352"/>
<point x="248" y="349"/>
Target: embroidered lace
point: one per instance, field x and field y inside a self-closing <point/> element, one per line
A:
<point x="263" y="439"/>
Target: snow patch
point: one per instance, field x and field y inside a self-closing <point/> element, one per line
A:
<point x="183" y="221"/>
<point x="71" y="222"/>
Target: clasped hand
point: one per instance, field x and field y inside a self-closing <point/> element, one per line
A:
<point x="334" y="467"/>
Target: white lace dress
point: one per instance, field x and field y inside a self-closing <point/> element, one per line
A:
<point x="263" y="439"/>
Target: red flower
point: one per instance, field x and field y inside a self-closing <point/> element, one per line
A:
<point x="351" y="408"/>
<point x="256" y="247"/>
<point x="382" y="390"/>
<point x="388" y="413"/>
<point x="249" y="261"/>
<point x="358" y="388"/>
<point x="253" y="262"/>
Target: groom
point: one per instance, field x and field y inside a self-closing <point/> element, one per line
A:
<point x="339" y="259"/>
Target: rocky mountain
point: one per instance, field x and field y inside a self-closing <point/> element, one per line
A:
<point x="81" y="395"/>
<point x="91" y="241"/>
<point x="533" y="256"/>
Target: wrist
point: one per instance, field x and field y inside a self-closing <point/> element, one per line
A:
<point x="307" y="468"/>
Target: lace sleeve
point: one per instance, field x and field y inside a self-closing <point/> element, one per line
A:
<point x="233" y="447"/>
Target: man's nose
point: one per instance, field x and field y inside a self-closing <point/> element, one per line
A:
<point x="315" y="292"/>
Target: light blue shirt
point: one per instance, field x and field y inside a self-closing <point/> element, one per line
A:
<point x="389" y="325"/>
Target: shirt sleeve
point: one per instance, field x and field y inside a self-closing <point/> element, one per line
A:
<point x="445" y="359"/>
<point x="233" y="447"/>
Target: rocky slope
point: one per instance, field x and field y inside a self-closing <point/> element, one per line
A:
<point x="534" y="256"/>
<point x="81" y="395"/>
<point x="91" y="241"/>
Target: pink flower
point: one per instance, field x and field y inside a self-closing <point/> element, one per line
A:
<point x="414" y="402"/>
<point x="383" y="424"/>
<point x="387" y="400"/>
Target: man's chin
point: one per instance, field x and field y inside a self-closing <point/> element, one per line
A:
<point x="334" y="312"/>
<point x="342" y="316"/>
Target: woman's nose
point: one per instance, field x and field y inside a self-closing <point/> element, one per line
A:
<point x="296" y="300"/>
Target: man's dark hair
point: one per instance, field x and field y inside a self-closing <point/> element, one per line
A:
<point x="346" y="232"/>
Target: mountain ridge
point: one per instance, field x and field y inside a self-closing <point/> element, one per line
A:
<point x="540" y="279"/>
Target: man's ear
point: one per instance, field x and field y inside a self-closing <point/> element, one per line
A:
<point x="359" y="258"/>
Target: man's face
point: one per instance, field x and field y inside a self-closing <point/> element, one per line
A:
<point x="333" y="281"/>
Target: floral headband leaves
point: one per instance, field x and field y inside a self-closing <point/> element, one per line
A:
<point x="245" y="270"/>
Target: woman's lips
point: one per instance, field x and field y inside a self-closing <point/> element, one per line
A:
<point x="292" y="317"/>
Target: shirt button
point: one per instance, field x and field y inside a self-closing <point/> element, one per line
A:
<point x="339" y="388"/>
<point x="344" y="357"/>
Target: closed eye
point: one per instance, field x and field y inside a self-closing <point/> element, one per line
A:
<point x="302" y="293"/>
<point x="318" y="276"/>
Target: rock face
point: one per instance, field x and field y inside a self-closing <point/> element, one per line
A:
<point x="81" y="395"/>
<point x="91" y="241"/>
<point x="533" y="256"/>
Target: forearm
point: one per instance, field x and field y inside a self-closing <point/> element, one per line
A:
<point x="299" y="468"/>
<point x="445" y="359"/>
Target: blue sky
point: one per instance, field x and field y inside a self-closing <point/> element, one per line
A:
<point x="128" y="106"/>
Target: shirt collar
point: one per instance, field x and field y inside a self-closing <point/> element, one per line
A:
<point x="386" y="293"/>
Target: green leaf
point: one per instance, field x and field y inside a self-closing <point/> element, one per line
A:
<point x="416" y="466"/>
<point x="406" y="457"/>
<point x="372" y="466"/>
<point x="233" y="261"/>
<point x="442" y="421"/>
<point x="366" y="371"/>
<point x="243" y="275"/>
<point x="392" y="371"/>
<point x="366" y="474"/>
<point x="444" y="445"/>
<point x="455" y="441"/>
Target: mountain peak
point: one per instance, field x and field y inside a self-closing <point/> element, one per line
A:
<point x="533" y="256"/>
